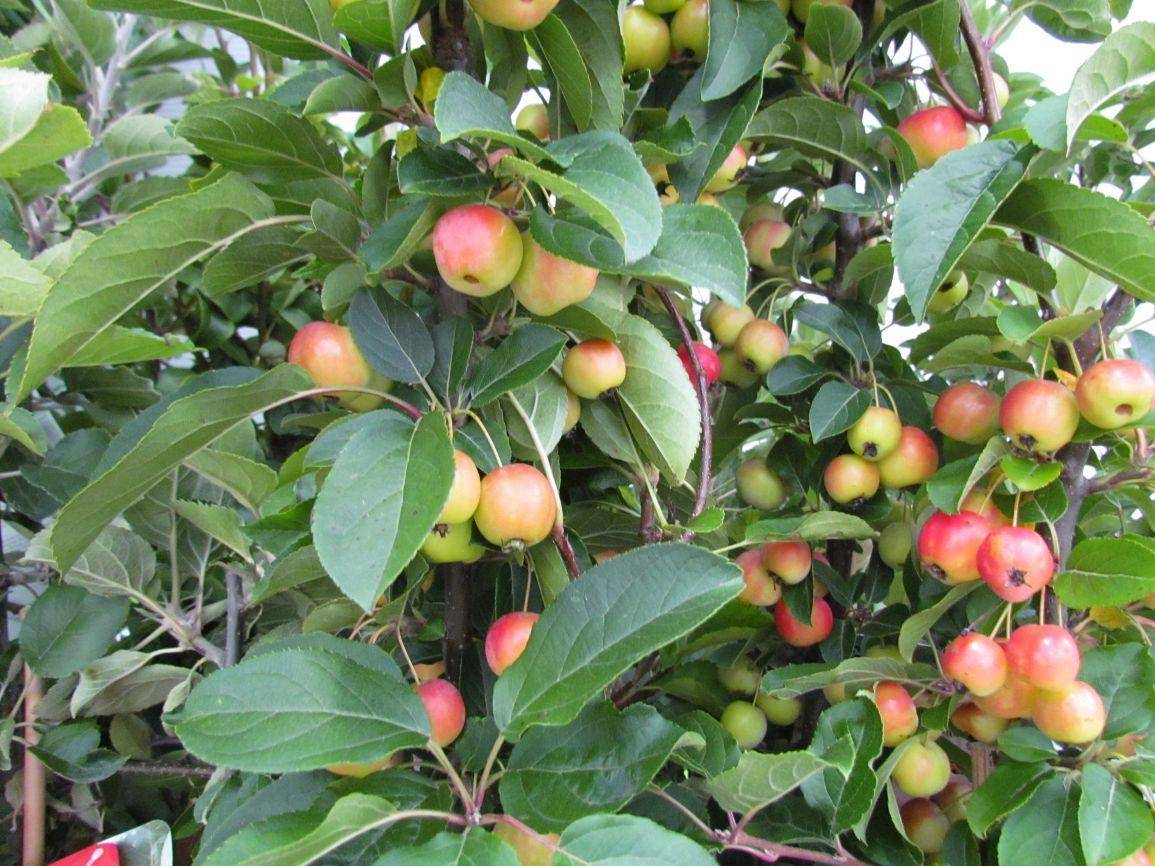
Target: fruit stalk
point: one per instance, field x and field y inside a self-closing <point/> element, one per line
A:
<point x="706" y="463"/>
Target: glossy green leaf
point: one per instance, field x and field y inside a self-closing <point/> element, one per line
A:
<point x="761" y="779"/>
<point x="849" y="736"/>
<point x="393" y="339"/>
<point x="66" y="628"/>
<point x="1004" y="791"/>
<point x="916" y="627"/>
<point x="1108" y="571"/>
<point x="1114" y="821"/>
<point x="742" y="35"/>
<point x="1122" y="675"/>
<point x="380" y="24"/>
<point x="835" y="408"/>
<point x="518" y="360"/>
<point x="1046" y="828"/>
<point x="815" y="127"/>
<point x="853" y="326"/>
<point x="465" y="109"/>
<point x="833" y="33"/>
<point x="626" y="840"/>
<point x="1125" y="58"/>
<point x="475" y="848"/>
<point x="815" y="526"/>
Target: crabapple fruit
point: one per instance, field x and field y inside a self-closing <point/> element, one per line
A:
<point x="726" y="322"/>
<point x="707" y="360"/>
<point x="534" y="119"/>
<point x="779" y="711"/>
<point x="976" y="661"/>
<point x="923" y="770"/>
<point x="912" y="462"/>
<point x="948" y="545"/>
<point x="967" y="412"/>
<point x="745" y="722"/>
<point x="849" y="478"/>
<point x="742" y="677"/>
<point x="763" y="210"/>
<point x="899" y="714"/>
<point x="761" y="587"/>
<point x="726" y="177"/>
<point x="646" y="38"/>
<point x="464" y="492"/>
<point x="546" y="284"/>
<point x="733" y="372"/>
<point x="759" y="486"/>
<point x="796" y="633"/>
<point x="1014" y="700"/>
<point x="522" y="15"/>
<point x="1015" y="562"/>
<point x="789" y="561"/>
<point x="925" y="824"/>
<point x="690" y="30"/>
<point x="516" y="505"/>
<point x="981" y="725"/>
<point x="874" y="435"/>
<point x="477" y="248"/>
<point x="445" y="708"/>
<point x="506" y="639"/>
<point x="762" y="238"/>
<point x="573" y="411"/>
<point x="1046" y="656"/>
<point x="950" y="293"/>
<point x="1075" y="715"/>
<point x="894" y="543"/>
<point x="451" y="542"/>
<point x="934" y="132"/>
<point x="1039" y="416"/>
<point x="593" y="367"/>
<point x="328" y="354"/>
<point x="980" y="502"/>
<point x="953" y="798"/>
<point x="1115" y="392"/>
<point x="761" y="345"/>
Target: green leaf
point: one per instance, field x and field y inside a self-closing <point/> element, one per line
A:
<point x="391" y="336"/>
<point x="185" y="427"/>
<point x="119" y="345"/>
<point x="835" y="408"/>
<point x="466" y="109"/>
<point x="550" y="780"/>
<point x="815" y="127"/>
<point x="945" y="208"/>
<point x="742" y="35"/>
<point x="1114" y="821"/>
<point x="21" y="425"/>
<point x="136" y="143"/>
<point x="23" y="98"/>
<point x="937" y="25"/>
<point x="1027" y="475"/>
<point x="1107" y="571"/>
<point x="916" y="627"/>
<point x="66" y="628"/>
<point x="519" y="359"/>
<point x="849" y="736"/>
<point x="816" y="526"/>
<point x="853" y="326"/>
<point x="265" y="140"/>
<point x="453" y="347"/>
<point x="1024" y="324"/>
<point x="1001" y="259"/>
<point x="657" y="399"/>
<point x="603" y="177"/>
<point x="718" y="751"/>
<point x="833" y="33"/>
<point x="292" y="28"/>
<point x="1122" y="60"/>
<point x="440" y="171"/>
<point x="854" y="673"/>
<point x="248" y="481"/>
<point x="473" y="848"/>
<point x="1071" y="20"/>
<point x="302" y="707"/>
<point x="605" y="621"/>
<point x="592" y="25"/>
<point x="73" y="751"/>
<point x="381" y="499"/>
<point x="1046" y="828"/>
<point x="1100" y="233"/>
<point x="1122" y="676"/>
<point x="395" y="240"/>
<point x="561" y="55"/>
<point x="218" y="521"/>
<point x="761" y="779"/>
<point x="342" y="93"/>
<point x="125" y="264"/>
<point x="1026" y="745"/>
<point x="626" y="840"/>
<point x="259" y="256"/>
<point x="379" y="24"/>
<point x="793" y="375"/>
<point x="59" y="131"/>
<point x="718" y="126"/>
<point x="1004" y="791"/>
<point x="22" y="286"/>
<point x="117" y="563"/>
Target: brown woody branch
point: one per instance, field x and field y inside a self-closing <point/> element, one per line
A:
<point x="981" y="58"/>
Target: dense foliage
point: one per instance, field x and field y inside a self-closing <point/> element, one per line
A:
<point x="544" y="431"/>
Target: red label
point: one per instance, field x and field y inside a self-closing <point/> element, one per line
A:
<point x="97" y="855"/>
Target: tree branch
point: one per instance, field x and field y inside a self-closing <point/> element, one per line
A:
<point x="981" y="58"/>
<point x="234" y="617"/>
<point x="566" y="551"/>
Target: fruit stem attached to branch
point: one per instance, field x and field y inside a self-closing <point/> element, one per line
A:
<point x="701" y="388"/>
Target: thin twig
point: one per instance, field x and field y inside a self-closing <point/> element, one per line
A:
<point x="981" y="58"/>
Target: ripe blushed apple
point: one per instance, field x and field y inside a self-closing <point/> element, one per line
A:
<point x="707" y="360"/>
<point x="360" y="771"/>
<point x="727" y="174"/>
<point x="762" y="211"/>
<point x="451" y="542"/>
<point x="761" y="587"/>
<point x="573" y="410"/>
<point x="1075" y="715"/>
<point x="976" y="661"/>
<point x="726" y="322"/>
<point x="789" y="561"/>
<point x="646" y="38"/>
<point x="912" y="462"/>
<point x="779" y="711"/>
<point x="690" y="29"/>
<point x="506" y="639"/>
<point x="894" y="544"/>
<point x="762" y="238"/>
<point x="513" y="14"/>
<point x="733" y="372"/>
<point x="1013" y="701"/>
<point x="934" y="132"/>
<point x="534" y="119"/>
<point x="1046" y="656"/>
<point x="328" y="354"/>
<point x="923" y="770"/>
<point x="546" y="284"/>
<point x="954" y="797"/>
<point x="979" y="724"/>
<point x="980" y="502"/>
<point x="948" y="545"/>
<point x="759" y="486"/>
<point x="745" y="722"/>
<point x="516" y="505"/>
<point x="795" y="632"/>
<point x="594" y="367"/>
<point x="1115" y="392"/>
<point x="464" y="492"/>
<point x="950" y="294"/>
<point x="445" y="708"/>
<point x="742" y="677"/>
<point x="925" y="824"/>
<point x="760" y="345"/>
<point x="898" y="712"/>
<point x="1015" y="562"/>
<point x="1039" y="416"/>
<point x="477" y="249"/>
<point x="967" y="412"/>
<point x="849" y="478"/>
<point x="530" y="851"/>
<point x="874" y="435"/>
